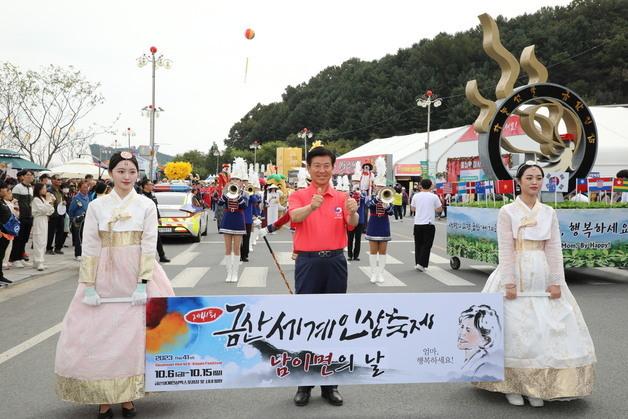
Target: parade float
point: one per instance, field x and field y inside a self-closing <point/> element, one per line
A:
<point x="562" y="137"/>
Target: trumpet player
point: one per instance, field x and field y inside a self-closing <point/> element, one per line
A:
<point x="233" y="225"/>
<point x="378" y="227"/>
<point x="250" y="211"/>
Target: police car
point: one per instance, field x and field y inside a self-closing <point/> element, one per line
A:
<point x="181" y="214"/>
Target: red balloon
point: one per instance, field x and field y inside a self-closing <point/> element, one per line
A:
<point x="153" y="50"/>
<point x="249" y="34"/>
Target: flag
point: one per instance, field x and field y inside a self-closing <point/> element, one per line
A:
<point x="480" y="187"/>
<point x="447" y="188"/>
<point x="581" y="185"/>
<point x="439" y="187"/>
<point x="620" y="185"/>
<point x="505" y="186"/>
<point x="599" y="184"/>
<point x="466" y="187"/>
<point x="556" y="182"/>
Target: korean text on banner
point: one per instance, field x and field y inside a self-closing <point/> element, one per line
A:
<point x="214" y="342"/>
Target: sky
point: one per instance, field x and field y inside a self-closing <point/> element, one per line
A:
<point x="204" y="93"/>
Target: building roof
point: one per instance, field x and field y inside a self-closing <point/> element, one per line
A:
<point x="16" y="161"/>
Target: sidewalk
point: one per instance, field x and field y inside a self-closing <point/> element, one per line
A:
<point x="53" y="263"/>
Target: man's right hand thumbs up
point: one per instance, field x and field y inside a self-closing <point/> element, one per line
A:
<point x="317" y="200"/>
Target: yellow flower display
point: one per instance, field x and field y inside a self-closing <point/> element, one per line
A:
<point x="178" y="170"/>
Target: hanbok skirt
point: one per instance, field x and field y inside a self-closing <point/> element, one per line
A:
<point x="101" y="350"/>
<point x="548" y="350"/>
<point x="233" y="223"/>
<point x="378" y="229"/>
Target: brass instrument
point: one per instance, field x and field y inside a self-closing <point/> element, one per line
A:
<point x="233" y="191"/>
<point x="250" y="189"/>
<point x="386" y="195"/>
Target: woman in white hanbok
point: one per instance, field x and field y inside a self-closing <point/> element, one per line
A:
<point x="549" y="354"/>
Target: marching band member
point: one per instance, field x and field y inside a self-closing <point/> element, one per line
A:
<point x="367" y="178"/>
<point x="250" y="211"/>
<point x="378" y="226"/>
<point x="549" y="354"/>
<point x="355" y="236"/>
<point x="233" y="225"/>
<point x="101" y="350"/>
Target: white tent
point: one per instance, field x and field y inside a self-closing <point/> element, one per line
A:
<point x="78" y="168"/>
<point x="612" y="154"/>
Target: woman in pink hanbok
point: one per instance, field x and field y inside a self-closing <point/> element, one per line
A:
<point x="100" y="353"/>
<point x="549" y="354"/>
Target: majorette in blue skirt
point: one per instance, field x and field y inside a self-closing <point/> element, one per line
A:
<point x="378" y="226"/>
<point x="233" y="218"/>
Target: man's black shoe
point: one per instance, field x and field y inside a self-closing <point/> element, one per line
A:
<point x="164" y="260"/>
<point x="244" y="259"/>
<point x="58" y="252"/>
<point x="302" y="397"/>
<point x="332" y="396"/>
<point x="5" y="281"/>
<point x="356" y="258"/>
<point x="50" y="252"/>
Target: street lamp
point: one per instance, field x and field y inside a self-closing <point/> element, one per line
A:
<point x="217" y="154"/>
<point x="159" y="61"/>
<point x="305" y="134"/>
<point x="129" y="133"/>
<point x="426" y="101"/>
<point x="256" y="144"/>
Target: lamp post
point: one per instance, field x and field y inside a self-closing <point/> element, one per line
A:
<point x="129" y="133"/>
<point x="305" y="134"/>
<point x="426" y="101"/>
<point x="217" y="154"/>
<point x="254" y="146"/>
<point x="159" y="61"/>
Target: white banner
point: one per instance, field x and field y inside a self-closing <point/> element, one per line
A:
<point x="195" y="343"/>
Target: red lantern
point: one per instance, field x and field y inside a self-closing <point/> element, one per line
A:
<point x="249" y="34"/>
<point x="153" y="50"/>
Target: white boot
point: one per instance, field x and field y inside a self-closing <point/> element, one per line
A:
<point x="373" y="263"/>
<point x="228" y="267"/>
<point x="535" y="402"/>
<point x="515" y="399"/>
<point x="235" y="261"/>
<point x="380" y="268"/>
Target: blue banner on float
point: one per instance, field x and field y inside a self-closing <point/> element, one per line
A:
<point x="195" y="343"/>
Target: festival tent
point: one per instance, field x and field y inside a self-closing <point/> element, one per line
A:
<point x="409" y="150"/>
<point x="78" y="168"/>
<point x="16" y="161"/>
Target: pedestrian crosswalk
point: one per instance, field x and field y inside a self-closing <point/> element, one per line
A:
<point x="258" y="276"/>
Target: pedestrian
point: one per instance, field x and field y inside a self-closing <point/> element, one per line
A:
<point x="147" y="187"/>
<point x="443" y="204"/>
<point x="415" y="190"/>
<point x="100" y="190"/>
<point x="397" y="203"/>
<point x="425" y="205"/>
<point x="548" y="351"/>
<point x="355" y="235"/>
<point x="56" y="226"/>
<point x="23" y="192"/>
<point x="5" y="236"/>
<point x="233" y="226"/>
<point x="321" y="217"/>
<point x="272" y="204"/>
<point x="76" y="211"/>
<point x="14" y="206"/>
<point x="101" y="349"/>
<point x="378" y="228"/>
<point x="42" y="210"/>
<point x="404" y="201"/>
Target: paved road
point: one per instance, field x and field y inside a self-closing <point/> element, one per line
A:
<point x="32" y="311"/>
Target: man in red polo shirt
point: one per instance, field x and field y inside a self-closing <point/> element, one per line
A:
<point x="321" y="217"/>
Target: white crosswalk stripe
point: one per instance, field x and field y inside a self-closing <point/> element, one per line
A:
<point x="284" y="258"/>
<point x="184" y="258"/>
<point x="389" y="279"/>
<point x="446" y="277"/>
<point x="253" y="277"/>
<point x="189" y="277"/>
